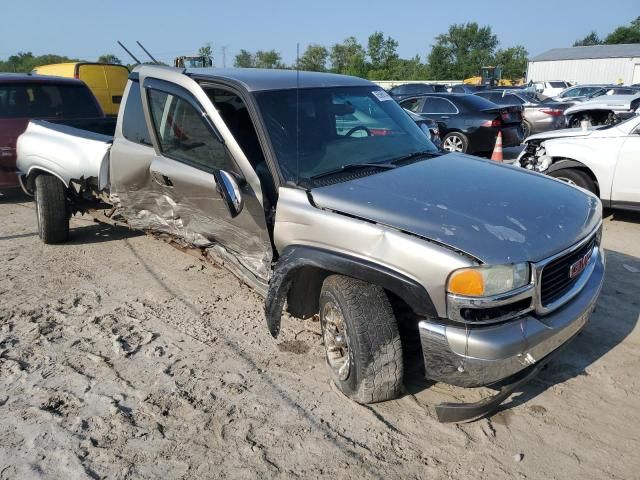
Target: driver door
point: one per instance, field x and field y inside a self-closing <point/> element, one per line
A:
<point x="177" y="185"/>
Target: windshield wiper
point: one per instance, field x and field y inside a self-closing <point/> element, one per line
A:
<point x="352" y="166"/>
<point x="411" y="156"/>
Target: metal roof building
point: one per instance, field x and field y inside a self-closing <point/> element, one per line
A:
<point x="592" y="64"/>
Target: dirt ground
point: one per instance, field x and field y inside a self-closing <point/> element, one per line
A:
<point x="123" y="357"/>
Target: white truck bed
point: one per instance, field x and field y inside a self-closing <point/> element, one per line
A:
<point x="68" y="153"/>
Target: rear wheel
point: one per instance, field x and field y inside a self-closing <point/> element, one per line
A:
<point x="361" y="338"/>
<point x="51" y="209"/>
<point x="576" y="177"/>
<point x="455" y="142"/>
<point x="526" y="127"/>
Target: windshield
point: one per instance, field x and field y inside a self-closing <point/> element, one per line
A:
<point x="42" y="100"/>
<point x="337" y="127"/>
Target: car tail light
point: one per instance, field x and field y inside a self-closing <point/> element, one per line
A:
<point x="496" y="122"/>
<point x="554" y="112"/>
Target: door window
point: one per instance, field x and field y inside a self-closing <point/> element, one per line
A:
<point x="438" y="105"/>
<point x="413" y="104"/>
<point x="183" y="133"/>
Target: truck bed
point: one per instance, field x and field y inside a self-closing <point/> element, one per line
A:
<point x="69" y="149"/>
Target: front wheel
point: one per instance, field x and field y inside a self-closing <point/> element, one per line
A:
<point x="455" y="142"/>
<point x="575" y="177"/>
<point x="361" y="339"/>
<point x="52" y="210"/>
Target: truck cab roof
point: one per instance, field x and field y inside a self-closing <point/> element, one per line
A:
<point x="264" y="79"/>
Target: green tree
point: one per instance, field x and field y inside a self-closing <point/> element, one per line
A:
<point x="513" y="61"/>
<point x="462" y="51"/>
<point x="381" y="51"/>
<point x="268" y="59"/>
<point x="348" y="58"/>
<point x="625" y="34"/>
<point x="24" y="62"/>
<point x="244" y="59"/>
<point x="206" y="51"/>
<point x="591" y="39"/>
<point x="109" y="58"/>
<point x="314" y="59"/>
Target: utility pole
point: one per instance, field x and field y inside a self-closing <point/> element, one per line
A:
<point x="224" y="56"/>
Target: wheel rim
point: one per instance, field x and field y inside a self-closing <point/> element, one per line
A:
<point x="526" y="129"/>
<point x="452" y="144"/>
<point x="567" y="180"/>
<point x="38" y="212"/>
<point x="336" y="342"/>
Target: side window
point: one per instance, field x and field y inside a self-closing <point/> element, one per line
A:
<point x="183" y="134"/>
<point x="134" y="125"/>
<point x="438" y="105"/>
<point x="413" y="104"/>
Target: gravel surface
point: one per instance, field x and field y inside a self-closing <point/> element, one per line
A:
<point x="123" y="357"/>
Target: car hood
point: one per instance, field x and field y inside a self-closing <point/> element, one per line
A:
<point x="604" y="102"/>
<point x="564" y="133"/>
<point x="495" y="213"/>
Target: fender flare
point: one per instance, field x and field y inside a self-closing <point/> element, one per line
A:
<point x="296" y="257"/>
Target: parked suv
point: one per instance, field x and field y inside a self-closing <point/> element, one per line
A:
<point x="411" y="89"/>
<point x="375" y="233"/>
<point x="25" y="97"/>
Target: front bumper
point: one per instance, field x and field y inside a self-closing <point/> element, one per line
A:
<point x="483" y="355"/>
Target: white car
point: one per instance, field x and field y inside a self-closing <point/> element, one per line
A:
<point x="604" y="160"/>
<point x="603" y="110"/>
<point x="549" y="88"/>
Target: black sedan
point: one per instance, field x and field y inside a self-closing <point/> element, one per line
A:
<point x="407" y="90"/>
<point x="469" y="123"/>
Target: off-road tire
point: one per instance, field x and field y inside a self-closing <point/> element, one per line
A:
<point x="52" y="210"/>
<point x="576" y="177"/>
<point x="374" y="346"/>
<point x="455" y="138"/>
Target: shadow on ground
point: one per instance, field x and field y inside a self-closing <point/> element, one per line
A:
<point x="614" y="318"/>
<point x="100" y="232"/>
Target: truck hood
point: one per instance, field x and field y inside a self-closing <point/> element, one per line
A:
<point x="495" y="213"/>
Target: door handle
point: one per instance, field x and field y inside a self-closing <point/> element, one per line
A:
<point x="444" y="116"/>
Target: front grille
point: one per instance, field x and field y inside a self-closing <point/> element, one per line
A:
<point x="555" y="280"/>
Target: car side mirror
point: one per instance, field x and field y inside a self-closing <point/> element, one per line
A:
<point x="229" y="190"/>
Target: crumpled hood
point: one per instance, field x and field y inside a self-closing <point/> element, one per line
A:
<point x="564" y="133"/>
<point x="496" y="213"/>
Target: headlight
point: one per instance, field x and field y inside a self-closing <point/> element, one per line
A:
<point x="485" y="281"/>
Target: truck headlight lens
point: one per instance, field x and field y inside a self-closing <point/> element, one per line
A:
<point x="485" y="281"/>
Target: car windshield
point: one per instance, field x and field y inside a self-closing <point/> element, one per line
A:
<point x="318" y="130"/>
<point x="43" y="100"/>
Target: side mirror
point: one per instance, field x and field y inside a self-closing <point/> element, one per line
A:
<point x="229" y="190"/>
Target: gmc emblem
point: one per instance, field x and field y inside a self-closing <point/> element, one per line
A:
<point x="579" y="266"/>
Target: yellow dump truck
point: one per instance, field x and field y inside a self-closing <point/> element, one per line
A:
<point x="106" y="81"/>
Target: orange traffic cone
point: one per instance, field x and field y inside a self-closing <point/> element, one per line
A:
<point x="497" y="150"/>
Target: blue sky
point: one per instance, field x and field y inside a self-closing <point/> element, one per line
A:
<point x="88" y="28"/>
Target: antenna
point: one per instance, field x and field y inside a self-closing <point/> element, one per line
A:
<point x="130" y="54"/>
<point x="147" y="52"/>
<point x="298" y="112"/>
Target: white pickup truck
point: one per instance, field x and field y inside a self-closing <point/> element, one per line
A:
<point x="604" y="160"/>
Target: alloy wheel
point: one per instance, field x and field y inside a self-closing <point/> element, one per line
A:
<point x="453" y="144"/>
<point x="336" y="343"/>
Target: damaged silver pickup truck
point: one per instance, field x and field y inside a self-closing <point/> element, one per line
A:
<point x="320" y="192"/>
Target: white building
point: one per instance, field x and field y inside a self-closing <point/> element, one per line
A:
<point x="593" y="64"/>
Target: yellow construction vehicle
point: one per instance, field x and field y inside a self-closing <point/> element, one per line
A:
<point x="492" y="77"/>
<point x="195" y="61"/>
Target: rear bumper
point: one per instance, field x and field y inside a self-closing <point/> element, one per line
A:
<point x="485" y="355"/>
<point x="548" y="124"/>
<point x="8" y="179"/>
<point x="483" y="139"/>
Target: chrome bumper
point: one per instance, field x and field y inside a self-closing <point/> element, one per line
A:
<point x="482" y="355"/>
